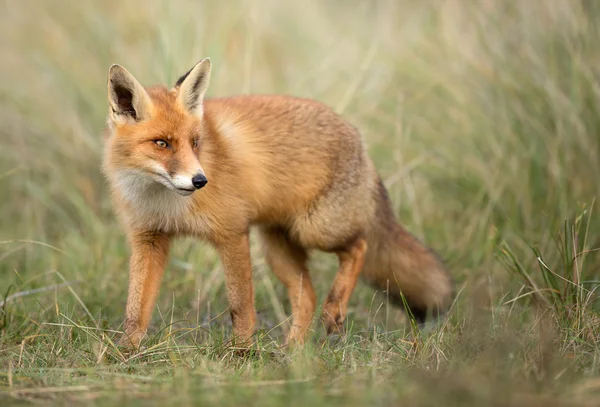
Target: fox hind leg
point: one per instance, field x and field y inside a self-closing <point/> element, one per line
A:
<point x="352" y="259"/>
<point x="288" y="261"/>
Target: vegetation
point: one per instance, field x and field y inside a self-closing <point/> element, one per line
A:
<point x="482" y="118"/>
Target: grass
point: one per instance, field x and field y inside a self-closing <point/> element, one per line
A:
<point x="482" y="119"/>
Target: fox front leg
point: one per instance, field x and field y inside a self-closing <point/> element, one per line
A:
<point x="235" y="255"/>
<point x="149" y="253"/>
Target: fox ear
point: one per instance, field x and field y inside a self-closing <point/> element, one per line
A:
<point x="192" y="86"/>
<point x="128" y="100"/>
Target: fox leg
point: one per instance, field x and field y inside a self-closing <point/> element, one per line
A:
<point x="235" y="256"/>
<point x="351" y="259"/>
<point x="148" y="259"/>
<point x="288" y="261"/>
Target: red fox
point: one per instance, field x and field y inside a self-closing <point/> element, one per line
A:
<point x="181" y="165"/>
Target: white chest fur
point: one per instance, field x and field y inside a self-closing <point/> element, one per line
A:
<point x="153" y="206"/>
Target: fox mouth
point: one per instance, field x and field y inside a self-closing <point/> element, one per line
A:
<point x="166" y="181"/>
<point x="185" y="192"/>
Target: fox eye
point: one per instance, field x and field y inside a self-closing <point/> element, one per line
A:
<point x="161" y="143"/>
<point x="195" y="143"/>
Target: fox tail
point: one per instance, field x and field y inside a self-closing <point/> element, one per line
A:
<point x="399" y="264"/>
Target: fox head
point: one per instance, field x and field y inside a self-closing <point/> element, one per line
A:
<point x="155" y="135"/>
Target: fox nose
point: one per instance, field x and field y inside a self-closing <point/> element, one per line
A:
<point x="199" y="180"/>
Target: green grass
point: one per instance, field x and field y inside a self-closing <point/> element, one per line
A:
<point x="483" y="119"/>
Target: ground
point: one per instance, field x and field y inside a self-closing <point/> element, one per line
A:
<point x="482" y="120"/>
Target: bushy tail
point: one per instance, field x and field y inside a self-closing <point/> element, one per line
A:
<point x="401" y="265"/>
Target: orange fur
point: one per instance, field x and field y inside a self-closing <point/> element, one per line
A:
<point x="290" y="165"/>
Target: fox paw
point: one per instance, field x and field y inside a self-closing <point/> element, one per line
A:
<point x="131" y="341"/>
<point x="334" y="322"/>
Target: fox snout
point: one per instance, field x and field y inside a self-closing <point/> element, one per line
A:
<point x="183" y="184"/>
<point x="186" y="185"/>
<point x="199" y="180"/>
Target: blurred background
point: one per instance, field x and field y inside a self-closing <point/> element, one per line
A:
<point x="482" y="118"/>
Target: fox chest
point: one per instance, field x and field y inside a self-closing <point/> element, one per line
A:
<point x="165" y="211"/>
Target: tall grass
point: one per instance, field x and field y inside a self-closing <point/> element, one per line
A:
<point x="482" y="118"/>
